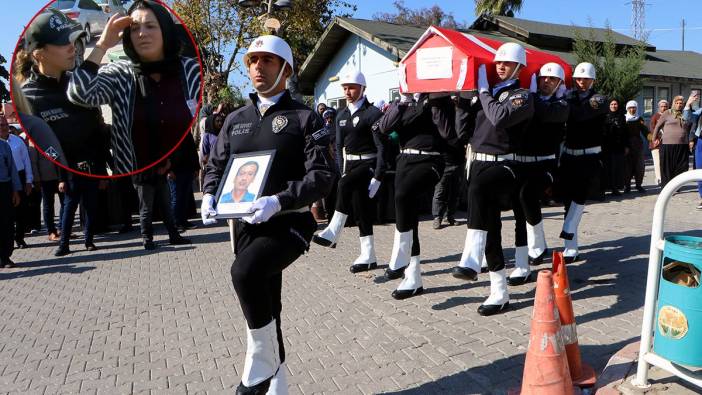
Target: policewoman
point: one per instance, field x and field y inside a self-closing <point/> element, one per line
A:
<point x="423" y="125"/>
<point x="362" y="170"/>
<point x="580" y="163"/>
<point x="501" y="119"/>
<point x="43" y="68"/>
<point x="536" y="158"/>
<point x="280" y="226"/>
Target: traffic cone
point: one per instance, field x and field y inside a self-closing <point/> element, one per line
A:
<point x="583" y="375"/>
<point x="546" y="365"/>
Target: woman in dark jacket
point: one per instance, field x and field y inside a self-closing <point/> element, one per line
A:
<point x="637" y="133"/>
<point x="614" y="147"/>
<point x="153" y="97"/>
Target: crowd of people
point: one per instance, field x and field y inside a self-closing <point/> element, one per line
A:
<point x="500" y="148"/>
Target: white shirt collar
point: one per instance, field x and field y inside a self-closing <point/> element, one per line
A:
<point x="269" y="101"/>
<point x="353" y="107"/>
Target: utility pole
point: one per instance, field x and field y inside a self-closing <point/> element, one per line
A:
<point x="638" y="19"/>
<point x="683" y="34"/>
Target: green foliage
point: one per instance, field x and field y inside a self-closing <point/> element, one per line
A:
<point x="4" y="75"/>
<point x="420" y="17"/>
<point x="230" y="96"/>
<point x="498" y="7"/>
<point x="617" y="67"/>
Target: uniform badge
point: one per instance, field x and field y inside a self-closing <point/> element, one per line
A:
<point x="279" y="123"/>
<point x="518" y="99"/>
<point x="342" y="123"/>
<point x="503" y="96"/>
<point x="594" y="103"/>
<point x="355" y="121"/>
<point x="51" y="153"/>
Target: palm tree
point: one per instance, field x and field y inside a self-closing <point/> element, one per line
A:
<point x="497" y="7"/>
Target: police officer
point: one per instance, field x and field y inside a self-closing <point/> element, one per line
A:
<point x="423" y="124"/>
<point x="280" y="226"/>
<point x="501" y="119"/>
<point x="43" y="66"/>
<point x="580" y="162"/>
<point x="536" y="157"/>
<point x="362" y="170"/>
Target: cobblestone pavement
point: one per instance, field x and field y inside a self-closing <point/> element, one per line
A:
<point x="124" y="320"/>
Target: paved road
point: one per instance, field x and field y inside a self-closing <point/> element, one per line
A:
<point x="125" y="320"/>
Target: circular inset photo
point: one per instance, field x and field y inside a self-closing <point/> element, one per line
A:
<point x="108" y="88"/>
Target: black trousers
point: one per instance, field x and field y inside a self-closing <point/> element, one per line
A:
<point x="675" y="160"/>
<point x="446" y="191"/>
<point x="415" y="175"/>
<point x="634" y="164"/>
<point x="577" y="173"/>
<point x="613" y="163"/>
<point x="21" y="211"/>
<point x="533" y="179"/>
<point x="352" y="194"/>
<point x="7" y="221"/>
<point x="49" y="189"/>
<point x="490" y="185"/>
<point x="154" y="190"/>
<point x="263" y="251"/>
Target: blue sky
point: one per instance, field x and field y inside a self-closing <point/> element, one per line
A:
<point x="663" y="17"/>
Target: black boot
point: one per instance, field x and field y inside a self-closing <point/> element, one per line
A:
<point x="363" y="267"/>
<point x="258" y="389"/>
<point x="464" y="273"/>
<point x="391" y="274"/>
<point x="539" y="259"/>
<point x="176" y="239"/>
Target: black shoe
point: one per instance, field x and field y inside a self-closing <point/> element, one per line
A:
<point x="188" y="225"/>
<point x="437" y="223"/>
<point x="180" y="228"/>
<point x="539" y="259"/>
<point x="21" y="244"/>
<point x="464" y="273"/>
<point x="400" y="294"/>
<point x="570" y="259"/>
<point x="363" y="267"/>
<point x="149" y="245"/>
<point x="566" y="236"/>
<point x="178" y="240"/>
<point x="616" y="193"/>
<point x="8" y="264"/>
<point x="627" y="189"/>
<point x="62" y="250"/>
<point x="125" y="229"/>
<point x="90" y="247"/>
<point x="258" y="389"/>
<point x="451" y="221"/>
<point x="491" y="309"/>
<point x="391" y="274"/>
<point x="519" y="280"/>
<point x="323" y="242"/>
<point x="640" y="189"/>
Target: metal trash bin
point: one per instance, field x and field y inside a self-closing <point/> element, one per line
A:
<point x="678" y="333"/>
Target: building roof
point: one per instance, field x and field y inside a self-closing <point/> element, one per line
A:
<point x="397" y="40"/>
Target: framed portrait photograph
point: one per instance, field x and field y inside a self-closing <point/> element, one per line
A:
<point x="242" y="183"/>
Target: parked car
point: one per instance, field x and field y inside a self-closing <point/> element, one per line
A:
<point x="112" y="7"/>
<point x="87" y="13"/>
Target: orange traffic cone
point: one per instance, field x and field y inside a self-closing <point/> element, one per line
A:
<point x="583" y="375"/>
<point x="546" y="365"/>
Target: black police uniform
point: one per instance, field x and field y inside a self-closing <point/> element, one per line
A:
<point x="362" y="158"/>
<point x="536" y="157"/>
<point x="500" y="123"/>
<point x="80" y="132"/>
<point x="423" y="127"/>
<point x="299" y="174"/>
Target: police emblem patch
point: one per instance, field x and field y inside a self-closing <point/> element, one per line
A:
<point x="594" y="103"/>
<point x="503" y="96"/>
<point x="355" y="121"/>
<point x="342" y="123"/>
<point x="279" y="123"/>
<point x="51" y="153"/>
<point x="519" y="99"/>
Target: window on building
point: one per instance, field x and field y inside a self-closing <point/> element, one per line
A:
<point x="394" y="94"/>
<point x="648" y="92"/>
<point x="663" y="94"/>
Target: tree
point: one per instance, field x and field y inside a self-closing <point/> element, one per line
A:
<point x="4" y="75"/>
<point x="223" y="30"/>
<point x="617" y="67"/>
<point x="498" y="7"/>
<point x="421" y="17"/>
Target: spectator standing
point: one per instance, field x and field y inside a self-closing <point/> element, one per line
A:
<point x="637" y="133"/>
<point x="675" y="146"/>
<point x="23" y="166"/>
<point x="184" y="169"/>
<point x="10" y="187"/>
<point x="654" y="143"/>
<point x="614" y="147"/>
<point x="693" y="118"/>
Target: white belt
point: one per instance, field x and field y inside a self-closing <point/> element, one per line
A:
<point x="360" y="157"/>
<point x="492" y="158"/>
<point x="583" y="151"/>
<point x="531" y="159"/>
<point x="413" y="151"/>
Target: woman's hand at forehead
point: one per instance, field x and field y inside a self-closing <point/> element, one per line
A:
<point x="112" y="35"/>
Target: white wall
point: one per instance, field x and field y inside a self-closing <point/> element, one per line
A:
<point x="359" y="54"/>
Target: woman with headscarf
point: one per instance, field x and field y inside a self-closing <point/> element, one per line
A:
<point x="153" y="97"/>
<point x="614" y="147"/>
<point x="637" y="133"/>
<point x="675" y="147"/>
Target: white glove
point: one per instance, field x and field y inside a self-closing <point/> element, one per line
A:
<point x="373" y="187"/>
<point x="561" y="91"/>
<point x="263" y="209"/>
<point x="207" y="209"/>
<point x="533" y="87"/>
<point x="483" y="85"/>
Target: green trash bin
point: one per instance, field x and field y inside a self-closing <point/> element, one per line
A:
<point x="678" y="333"/>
